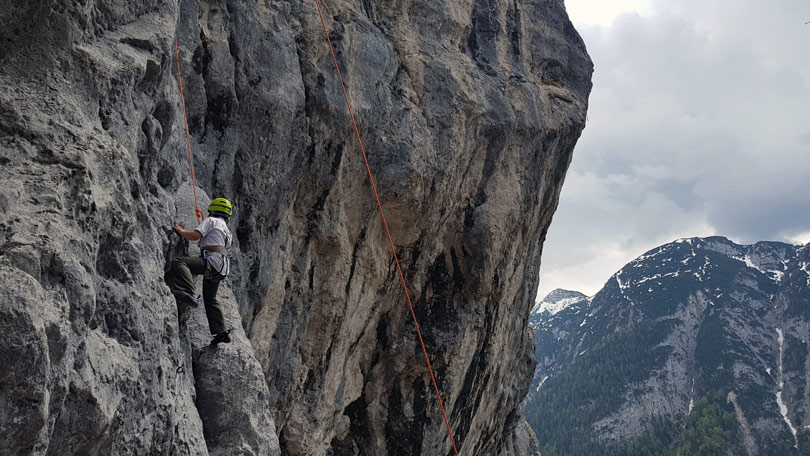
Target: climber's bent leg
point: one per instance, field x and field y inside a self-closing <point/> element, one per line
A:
<point x="181" y="274"/>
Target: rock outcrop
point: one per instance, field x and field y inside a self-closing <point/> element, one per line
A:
<point x="469" y="111"/>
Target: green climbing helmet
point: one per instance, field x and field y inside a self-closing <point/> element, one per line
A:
<point x="221" y="206"/>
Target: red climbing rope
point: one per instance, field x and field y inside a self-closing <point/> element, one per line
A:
<point x="385" y="224"/>
<point x="197" y="211"/>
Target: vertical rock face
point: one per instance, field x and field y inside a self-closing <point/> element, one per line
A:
<point x="469" y="112"/>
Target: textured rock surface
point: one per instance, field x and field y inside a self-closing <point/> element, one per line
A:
<point x="522" y="442"/>
<point x="469" y="111"/>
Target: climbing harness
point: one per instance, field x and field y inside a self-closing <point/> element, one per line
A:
<point x="217" y="263"/>
<point x="385" y="225"/>
<point x="197" y="212"/>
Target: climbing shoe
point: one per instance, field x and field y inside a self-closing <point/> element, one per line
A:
<point x="187" y="298"/>
<point x="221" y="338"/>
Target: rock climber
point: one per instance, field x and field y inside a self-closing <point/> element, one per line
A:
<point x="213" y="263"/>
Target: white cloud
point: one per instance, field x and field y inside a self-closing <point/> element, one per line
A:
<point x="604" y="12"/>
<point x="699" y="124"/>
<point x="800" y="238"/>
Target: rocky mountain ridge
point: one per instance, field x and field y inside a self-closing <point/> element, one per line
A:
<point x="697" y="327"/>
<point x="470" y="112"/>
<point x="555" y="302"/>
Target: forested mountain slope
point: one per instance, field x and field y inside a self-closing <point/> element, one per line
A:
<point x="699" y="346"/>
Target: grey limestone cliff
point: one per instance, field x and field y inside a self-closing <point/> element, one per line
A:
<point x="469" y="111"/>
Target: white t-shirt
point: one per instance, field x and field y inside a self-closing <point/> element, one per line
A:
<point x="215" y="232"/>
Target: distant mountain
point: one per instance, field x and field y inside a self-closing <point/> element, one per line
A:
<point x="551" y="320"/>
<point x="557" y="300"/>
<point x="697" y="347"/>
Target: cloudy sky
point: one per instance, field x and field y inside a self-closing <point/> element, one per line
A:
<point x="699" y="124"/>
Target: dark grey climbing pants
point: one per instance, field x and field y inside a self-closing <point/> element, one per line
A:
<point x="181" y="277"/>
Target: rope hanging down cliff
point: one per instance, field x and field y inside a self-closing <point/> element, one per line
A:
<point x="385" y="225"/>
<point x="197" y="211"/>
<point x="376" y="197"/>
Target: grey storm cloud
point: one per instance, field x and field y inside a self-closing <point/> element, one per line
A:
<point x="699" y="124"/>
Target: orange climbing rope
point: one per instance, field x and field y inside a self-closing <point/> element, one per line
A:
<point x="197" y="211"/>
<point x="385" y="225"/>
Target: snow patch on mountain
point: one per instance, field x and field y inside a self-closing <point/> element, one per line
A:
<point x="747" y="260"/>
<point x="783" y="410"/>
<point x="657" y="276"/>
<point x="804" y="267"/>
<point x="622" y="285"/>
<point x="557" y="301"/>
<point x="775" y="274"/>
<point x="540" y="385"/>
